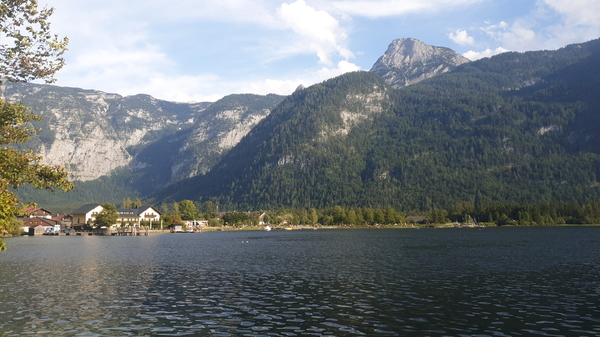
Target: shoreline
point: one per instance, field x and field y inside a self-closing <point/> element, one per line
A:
<point x="294" y="228"/>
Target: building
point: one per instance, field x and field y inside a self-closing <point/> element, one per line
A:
<point x="85" y="215"/>
<point x="48" y="225"/>
<point x="36" y="212"/>
<point x="195" y="225"/>
<point x="65" y="220"/>
<point x="135" y="216"/>
<point x="416" y="218"/>
<point x="127" y="216"/>
<point x="36" y="230"/>
<point x="176" y="227"/>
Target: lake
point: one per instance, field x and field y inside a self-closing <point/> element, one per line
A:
<point x="507" y="281"/>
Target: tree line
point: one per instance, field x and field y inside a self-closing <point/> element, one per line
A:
<point x="491" y="214"/>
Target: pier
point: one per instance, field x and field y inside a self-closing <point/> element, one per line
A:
<point x="131" y="231"/>
<point x="125" y="231"/>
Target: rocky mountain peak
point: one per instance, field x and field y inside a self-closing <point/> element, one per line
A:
<point x="408" y="61"/>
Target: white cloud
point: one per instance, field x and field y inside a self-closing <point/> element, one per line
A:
<point x="387" y="8"/>
<point x="202" y="50"/>
<point x="129" y="72"/>
<point x="275" y="86"/>
<point x="579" y="22"/>
<point x="473" y="55"/>
<point x="239" y="11"/>
<point x="577" y="12"/>
<point x="462" y="38"/>
<point x="130" y="48"/>
<point x="286" y="87"/>
<point x="342" y="68"/>
<point x="182" y="88"/>
<point x="322" y="33"/>
<point x="518" y="36"/>
<point x="553" y="24"/>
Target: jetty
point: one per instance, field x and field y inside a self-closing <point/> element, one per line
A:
<point x="131" y="231"/>
<point x="121" y="231"/>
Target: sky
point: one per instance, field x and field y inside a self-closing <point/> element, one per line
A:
<point x="202" y="50"/>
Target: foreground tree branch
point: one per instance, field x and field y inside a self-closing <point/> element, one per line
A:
<point x="28" y="51"/>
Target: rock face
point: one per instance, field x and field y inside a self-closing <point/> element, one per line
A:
<point x="408" y="61"/>
<point x="221" y="126"/>
<point x="93" y="133"/>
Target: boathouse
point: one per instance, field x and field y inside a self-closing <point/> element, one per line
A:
<point x="176" y="227"/>
<point x="37" y="230"/>
<point x="49" y="225"/>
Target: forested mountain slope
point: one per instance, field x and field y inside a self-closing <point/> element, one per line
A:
<point x="515" y="127"/>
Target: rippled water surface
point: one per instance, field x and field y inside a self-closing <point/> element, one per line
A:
<point x="400" y="282"/>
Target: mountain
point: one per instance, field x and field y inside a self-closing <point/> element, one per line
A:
<point x="115" y="147"/>
<point x="517" y="127"/>
<point x="91" y="132"/>
<point x="223" y="125"/>
<point x="299" y="137"/>
<point x="409" y="61"/>
<point x="520" y="127"/>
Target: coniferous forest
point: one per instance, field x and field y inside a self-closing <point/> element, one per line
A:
<point x="514" y="128"/>
<point x="485" y="214"/>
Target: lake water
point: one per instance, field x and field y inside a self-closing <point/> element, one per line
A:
<point x="386" y="282"/>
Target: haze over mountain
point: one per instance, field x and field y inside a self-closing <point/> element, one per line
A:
<point x="516" y="127"/>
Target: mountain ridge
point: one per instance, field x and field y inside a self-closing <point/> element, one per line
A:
<point x="495" y="129"/>
<point x="514" y="127"/>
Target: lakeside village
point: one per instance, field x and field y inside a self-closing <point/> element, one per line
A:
<point x="142" y="220"/>
<point x="139" y="220"/>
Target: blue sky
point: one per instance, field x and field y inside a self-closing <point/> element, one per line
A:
<point x="202" y="50"/>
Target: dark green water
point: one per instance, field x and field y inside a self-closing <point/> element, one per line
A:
<point x="409" y="282"/>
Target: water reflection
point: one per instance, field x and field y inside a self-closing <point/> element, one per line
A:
<point x="496" y="282"/>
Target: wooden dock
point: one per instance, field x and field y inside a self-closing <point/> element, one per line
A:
<point x="131" y="231"/>
<point x="125" y="231"/>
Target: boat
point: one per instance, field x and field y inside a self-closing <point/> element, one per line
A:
<point x="267" y="228"/>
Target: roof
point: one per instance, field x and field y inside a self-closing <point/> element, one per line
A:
<point x="47" y="222"/>
<point x="145" y="208"/>
<point x="137" y="211"/>
<point x="34" y="209"/>
<point x="85" y="209"/>
<point x="60" y="217"/>
<point x="127" y="211"/>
